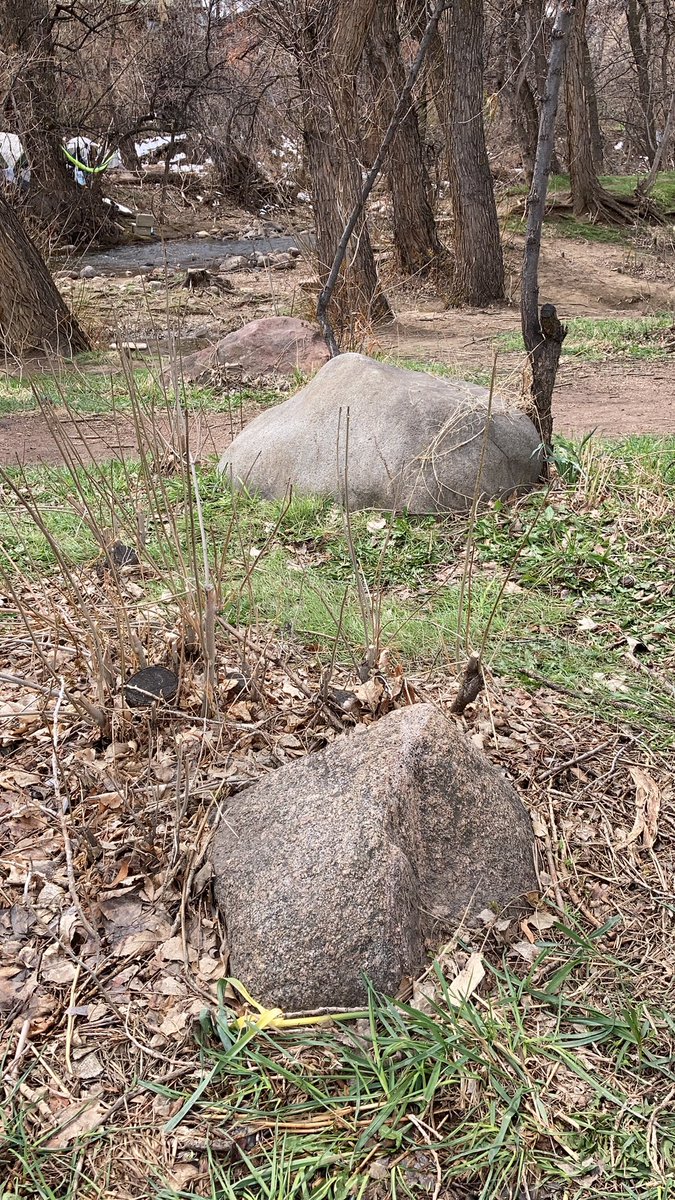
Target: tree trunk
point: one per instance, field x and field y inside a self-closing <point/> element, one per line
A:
<point x="333" y="43"/>
<point x="588" y="195"/>
<point x="416" y="242"/>
<point x="53" y="196"/>
<point x="479" y="266"/>
<point x="597" y="145"/>
<point x="543" y="333"/>
<point x="33" y="315"/>
<point x="239" y="176"/>
<point x="634" y="10"/>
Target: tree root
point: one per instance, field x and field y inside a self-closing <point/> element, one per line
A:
<point x="603" y="208"/>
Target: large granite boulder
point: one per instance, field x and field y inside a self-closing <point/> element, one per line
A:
<point x="415" y="441"/>
<point x="269" y="346"/>
<point x="357" y="859"/>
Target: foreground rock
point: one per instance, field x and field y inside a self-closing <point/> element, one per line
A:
<point x="415" y="441"/>
<point x="350" y="861"/>
<point x="270" y="346"/>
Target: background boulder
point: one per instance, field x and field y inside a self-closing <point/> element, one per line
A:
<point x="352" y="860"/>
<point x="415" y="441"/>
<point x="269" y="346"/>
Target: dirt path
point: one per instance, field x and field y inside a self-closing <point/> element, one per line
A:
<point x="613" y="398"/>
<point x="26" y="439"/>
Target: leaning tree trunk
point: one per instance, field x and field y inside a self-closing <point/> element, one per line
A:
<point x="33" y="315"/>
<point x="479" y="266"/>
<point x="333" y="40"/>
<point x="53" y="197"/>
<point x="416" y="242"/>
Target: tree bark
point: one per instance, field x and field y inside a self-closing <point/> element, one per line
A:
<point x="479" y="266"/>
<point x="524" y="110"/>
<point x="33" y="315"/>
<point x="333" y="40"/>
<point x="416" y="242"/>
<point x="53" y="195"/>
<point x="597" y="144"/>
<point x="543" y="333"/>
<point x="588" y="195"/>
<point x="635" y="9"/>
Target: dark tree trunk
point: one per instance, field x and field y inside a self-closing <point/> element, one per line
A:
<point x="479" y="266"/>
<point x="416" y="242"/>
<point x="239" y="175"/>
<point x="33" y="315"/>
<point x="53" y="197"/>
<point x="128" y="152"/>
<point x="512" y="79"/>
<point x="588" y="195"/>
<point x="597" y="145"/>
<point x="635" y="10"/>
<point x="333" y="43"/>
<point x="543" y="333"/>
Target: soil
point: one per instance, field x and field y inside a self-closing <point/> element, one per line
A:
<point x="614" y="397"/>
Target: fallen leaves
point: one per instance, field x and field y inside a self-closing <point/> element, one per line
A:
<point x="647" y="809"/>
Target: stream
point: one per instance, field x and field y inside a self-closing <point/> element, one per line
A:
<point x="178" y="253"/>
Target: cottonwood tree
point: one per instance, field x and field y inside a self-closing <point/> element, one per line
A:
<point x="455" y="73"/>
<point x="326" y="39"/>
<point x="33" y="315"/>
<point x="417" y="245"/>
<point x="479" y="265"/>
<point x="640" y="30"/>
<point x="32" y="95"/>
<point x="514" y="76"/>
<point x="589" y="197"/>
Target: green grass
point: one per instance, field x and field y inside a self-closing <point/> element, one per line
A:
<point x="596" y="339"/>
<point x="509" y="1091"/>
<point x="600" y="550"/>
<point x="566" y="225"/>
<point x="620" y="185"/>
<point x="85" y="394"/>
<point x="550" y="1081"/>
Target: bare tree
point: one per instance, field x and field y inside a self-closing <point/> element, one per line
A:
<point x="543" y="333"/>
<point x="26" y="35"/>
<point x="588" y="195"/>
<point x="33" y="315"/>
<point x="416" y="242"/>
<point x="639" y="23"/>
<point x="326" y="39"/>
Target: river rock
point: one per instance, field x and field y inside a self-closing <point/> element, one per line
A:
<point x="269" y="346"/>
<point x="357" y="859"/>
<point x="234" y="262"/>
<point x="415" y="441"/>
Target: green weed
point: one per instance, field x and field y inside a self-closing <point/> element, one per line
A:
<point x="596" y="339"/>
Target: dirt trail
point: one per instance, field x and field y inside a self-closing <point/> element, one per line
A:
<point x="612" y="398"/>
<point x="583" y="279"/>
<point x="26" y="439"/>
